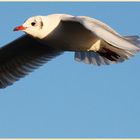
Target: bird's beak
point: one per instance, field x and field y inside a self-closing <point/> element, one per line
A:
<point x="19" y="28"/>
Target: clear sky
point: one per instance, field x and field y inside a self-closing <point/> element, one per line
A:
<point x="65" y="98"/>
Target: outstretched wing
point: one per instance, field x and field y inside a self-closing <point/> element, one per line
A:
<point x="110" y="46"/>
<point x="21" y="57"/>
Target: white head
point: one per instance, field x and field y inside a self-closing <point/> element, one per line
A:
<point x="33" y="26"/>
<point x="40" y="26"/>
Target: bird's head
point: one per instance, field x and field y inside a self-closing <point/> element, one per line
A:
<point x="33" y="26"/>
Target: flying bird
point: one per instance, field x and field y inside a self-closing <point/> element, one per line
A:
<point x="46" y="37"/>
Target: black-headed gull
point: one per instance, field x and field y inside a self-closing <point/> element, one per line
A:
<point x="46" y="37"/>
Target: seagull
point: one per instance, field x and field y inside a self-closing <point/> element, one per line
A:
<point x="46" y="37"/>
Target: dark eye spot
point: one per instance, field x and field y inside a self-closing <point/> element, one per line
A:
<point x="33" y="23"/>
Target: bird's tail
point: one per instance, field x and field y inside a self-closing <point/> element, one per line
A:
<point x="109" y="54"/>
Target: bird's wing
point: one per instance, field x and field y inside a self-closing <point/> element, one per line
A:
<point x="113" y="47"/>
<point x="103" y="31"/>
<point x="21" y="57"/>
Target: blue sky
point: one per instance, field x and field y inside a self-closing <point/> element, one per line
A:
<point x="65" y="98"/>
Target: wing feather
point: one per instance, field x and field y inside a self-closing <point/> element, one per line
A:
<point x="113" y="48"/>
<point x="21" y="57"/>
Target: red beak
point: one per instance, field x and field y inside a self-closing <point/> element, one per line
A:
<point x="19" y="28"/>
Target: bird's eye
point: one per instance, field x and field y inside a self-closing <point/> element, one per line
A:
<point x="33" y="23"/>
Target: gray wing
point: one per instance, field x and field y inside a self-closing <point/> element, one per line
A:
<point x="114" y="48"/>
<point x="21" y="57"/>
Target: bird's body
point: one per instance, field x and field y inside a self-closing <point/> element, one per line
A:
<point x="93" y="42"/>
